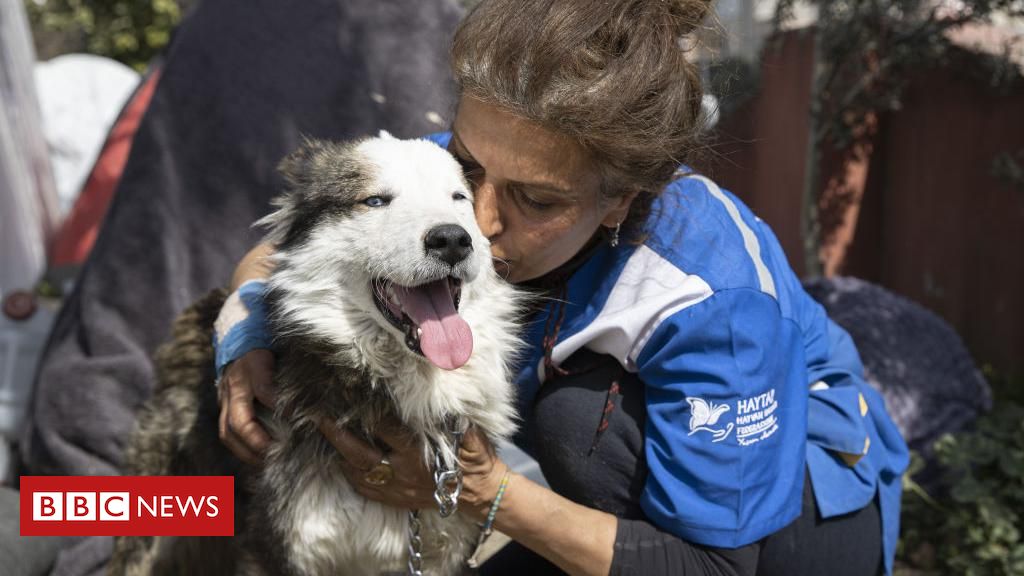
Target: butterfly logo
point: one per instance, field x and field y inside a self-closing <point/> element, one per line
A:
<point x="704" y="415"/>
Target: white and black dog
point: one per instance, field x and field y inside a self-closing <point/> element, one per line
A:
<point x="384" y="304"/>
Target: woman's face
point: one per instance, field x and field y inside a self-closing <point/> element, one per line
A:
<point x="536" y="194"/>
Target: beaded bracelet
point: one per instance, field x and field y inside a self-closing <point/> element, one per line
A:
<point x="488" y="526"/>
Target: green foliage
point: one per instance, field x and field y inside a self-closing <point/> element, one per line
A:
<point x="977" y="529"/>
<point x="130" y="31"/>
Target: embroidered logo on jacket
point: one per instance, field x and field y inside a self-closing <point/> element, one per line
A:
<point x="704" y="415"/>
<point x="756" y="418"/>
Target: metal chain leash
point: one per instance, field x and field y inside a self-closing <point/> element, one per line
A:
<point x="415" y="544"/>
<point x="448" y="481"/>
<point x="447" y="488"/>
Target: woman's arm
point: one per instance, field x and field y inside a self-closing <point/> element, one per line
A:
<point x="247" y="377"/>
<point x="579" y="540"/>
<point x="642" y="549"/>
<point x="582" y="540"/>
<point x="257" y="264"/>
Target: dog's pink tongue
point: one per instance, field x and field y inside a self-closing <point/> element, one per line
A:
<point x="447" y="340"/>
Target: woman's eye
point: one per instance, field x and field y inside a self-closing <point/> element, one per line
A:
<point x="376" y="201"/>
<point x="534" y="204"/>
<point x="459" y="196"/>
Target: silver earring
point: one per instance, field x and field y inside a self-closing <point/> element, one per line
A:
<point x="615" y="235"/>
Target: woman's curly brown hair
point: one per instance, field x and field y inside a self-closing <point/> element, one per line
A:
<point x="611" y="74"/>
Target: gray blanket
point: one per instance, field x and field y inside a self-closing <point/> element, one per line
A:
<point x="241" y="84"/>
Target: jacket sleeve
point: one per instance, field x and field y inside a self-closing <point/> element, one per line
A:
<point x="726" y="396"/>
<point x="643" y="550"/>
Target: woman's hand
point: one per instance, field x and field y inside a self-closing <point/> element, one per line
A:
<point x="412" y="487"/>
<point x="482" y="472"/>
<point x="251" y="376"/>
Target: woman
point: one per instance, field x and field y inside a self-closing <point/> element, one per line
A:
<point x="693" y="409"/>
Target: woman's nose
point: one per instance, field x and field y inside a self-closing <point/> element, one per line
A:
<point x="486" y="208"/>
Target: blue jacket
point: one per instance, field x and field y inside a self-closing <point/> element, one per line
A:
<point x="748" y="381"/>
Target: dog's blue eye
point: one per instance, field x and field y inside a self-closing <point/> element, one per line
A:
<point x="459" y="196"/>
<point x="375" y="201"/>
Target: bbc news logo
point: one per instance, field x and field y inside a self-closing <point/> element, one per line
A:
<point x="127" y="506"/>
<point x="81" y="506"/>
<point x="116" y="506"/>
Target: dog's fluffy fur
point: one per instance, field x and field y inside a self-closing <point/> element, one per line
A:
<point x="353" y="222"/>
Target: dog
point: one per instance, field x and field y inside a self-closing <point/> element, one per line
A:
<point x="384" y="305"/>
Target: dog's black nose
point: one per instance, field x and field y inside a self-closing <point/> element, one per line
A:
<point x="449" y="243"/>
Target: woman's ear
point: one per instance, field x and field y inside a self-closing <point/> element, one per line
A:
<point x="618" y="209"/>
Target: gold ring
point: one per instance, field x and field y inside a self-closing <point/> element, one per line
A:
<point x="381" y="474"/>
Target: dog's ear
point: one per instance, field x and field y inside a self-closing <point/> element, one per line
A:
<point x="317" y="176"/>
<point x="297" y="167"/>
<point x="385" y="135"/>
<point x="278" y="224"/>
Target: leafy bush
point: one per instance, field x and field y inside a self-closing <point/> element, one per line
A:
<point x="130" y="31"/>
<point x="977" y="528"/>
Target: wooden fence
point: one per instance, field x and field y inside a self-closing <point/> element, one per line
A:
<point x="922" y="214"/>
